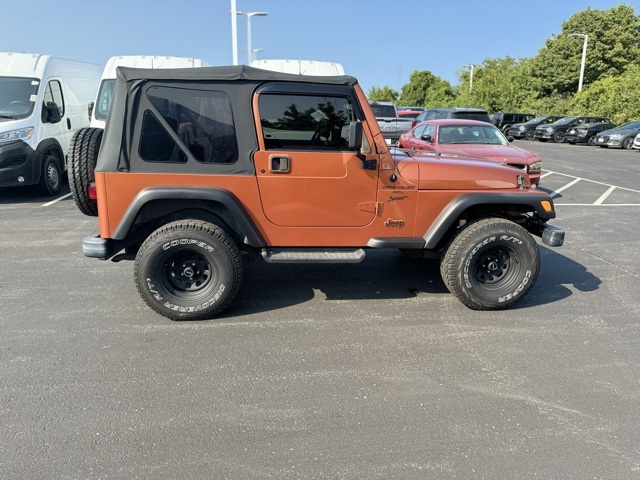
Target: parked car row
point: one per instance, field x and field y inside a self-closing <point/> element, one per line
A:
<point x="589" y="130"/>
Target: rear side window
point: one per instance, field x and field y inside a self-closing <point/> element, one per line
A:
<point x="201" y="119"/>
<point x="305" y="122"/>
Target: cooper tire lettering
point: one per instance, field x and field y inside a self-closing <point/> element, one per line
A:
<point x="490" y="264"/>
<point x="188" y="270"/>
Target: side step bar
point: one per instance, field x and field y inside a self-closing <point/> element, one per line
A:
<point x="313" y="255"/>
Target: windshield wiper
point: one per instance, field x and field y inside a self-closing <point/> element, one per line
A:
<point x="8" y="116"/>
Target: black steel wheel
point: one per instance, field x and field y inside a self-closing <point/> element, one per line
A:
<point x="188" y="270"/>
<point x="81" y="164"/>
<point x="50" y="176"/>
<point x="490" y="264"/>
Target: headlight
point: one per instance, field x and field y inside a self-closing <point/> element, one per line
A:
<point x="616" y="136"/>
<point x="549" y="129"/>
<point x="521" y="128"/>
<point x="536" y="166"/>
<point x="14" y="135"/>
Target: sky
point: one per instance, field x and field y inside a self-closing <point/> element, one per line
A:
<point x="379" y="43"/>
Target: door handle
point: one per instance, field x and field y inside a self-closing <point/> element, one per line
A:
<point x="279" y="164"/>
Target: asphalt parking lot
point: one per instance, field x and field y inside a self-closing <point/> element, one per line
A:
<point x="357" y="371"/>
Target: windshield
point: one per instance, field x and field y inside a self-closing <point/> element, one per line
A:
<point x="455" y="134"/>
<point x="536" y="120"/>
<point x="564" y="121"/>
<point x="17" y="97"/>
<point x="104" y="98"/>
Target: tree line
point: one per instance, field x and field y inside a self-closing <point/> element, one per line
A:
<point x="548" y="82"/>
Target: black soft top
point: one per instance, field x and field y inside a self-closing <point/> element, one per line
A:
<point x="118" y="149"/>
<point x="227" y="73"/>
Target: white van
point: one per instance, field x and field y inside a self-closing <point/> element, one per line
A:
<point x="300" y="67"/>
<point x="43" y="101"/>
<point x="100" y="109"/>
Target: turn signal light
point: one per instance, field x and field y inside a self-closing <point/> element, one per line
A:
<point x="546" y="204"/>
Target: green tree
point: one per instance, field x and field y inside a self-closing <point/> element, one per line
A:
<point x="426" y="90"/>
<point x="384" y="94"/>
<point x="613" y="46"/>
<point x="613" y="97"/>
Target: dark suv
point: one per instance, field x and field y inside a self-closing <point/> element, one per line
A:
<point x="504" y="120"/>
<point x="555" y="131"/>
<point x="527" y="130"/>
<point x="453" y="112"/>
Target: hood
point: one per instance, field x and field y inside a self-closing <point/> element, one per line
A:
<point x="450" y="172"/>
<point x="497" y="153"/>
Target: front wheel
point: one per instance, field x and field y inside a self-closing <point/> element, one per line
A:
<point x="592" y="140"/>
<point x="51" y="176"/>
<point x="530" y="135"/>
<point x="490" y="264"/>
<point x="627" y="144"/>
<point x="188" y="270"/>
<point x="558" y="137"/>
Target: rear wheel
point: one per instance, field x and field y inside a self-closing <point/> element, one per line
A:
<point x="82" y="158"/>
<point x="490" y="264"/>
<point x="188" y="270"/>
<point x="51" y="175"/>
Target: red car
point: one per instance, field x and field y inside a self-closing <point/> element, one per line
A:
<point x="473" y="138"/>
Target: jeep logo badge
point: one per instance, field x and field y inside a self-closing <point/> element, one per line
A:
<point x="394" y="223"/>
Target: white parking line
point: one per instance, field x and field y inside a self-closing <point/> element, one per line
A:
<point x="561" y="189"/>
<point x="600" y="201"/>
<point x="604" y="196"/>
<point x="55" y="201"/>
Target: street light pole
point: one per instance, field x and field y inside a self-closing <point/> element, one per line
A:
<point x="249" y="15"/>
<point x="470" y="66"/>
<point x="584" y="55"/>
<point x="234" y="33"/>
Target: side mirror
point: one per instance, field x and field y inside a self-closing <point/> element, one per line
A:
<point x="510" y="139"/>
<point x="426" y="138"/>
<point x="352" y="133"/>
<point x="90" y="109"/>
<point x="51" y="113"/>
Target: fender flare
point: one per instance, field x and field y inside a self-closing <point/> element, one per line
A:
<point x="454" y="209"/>
<point x="218" y="195"/>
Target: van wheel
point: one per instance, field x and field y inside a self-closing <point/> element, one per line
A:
<point x="82" y="157"/>
<point x="490" y="264"/>
<point x="51" y="176"/>
<point x="188" y="270"/>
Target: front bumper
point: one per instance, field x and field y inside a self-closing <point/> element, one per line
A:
<point x="19" y="165"/>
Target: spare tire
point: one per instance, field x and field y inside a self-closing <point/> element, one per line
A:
<point x="82" y="157"/>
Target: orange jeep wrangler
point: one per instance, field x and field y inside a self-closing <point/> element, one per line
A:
<point x="198" y="167"/>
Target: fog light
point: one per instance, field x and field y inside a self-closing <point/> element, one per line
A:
<point x="20" y="179"/>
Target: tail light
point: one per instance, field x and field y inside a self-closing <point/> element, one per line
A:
<point x="92" y="193"/>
